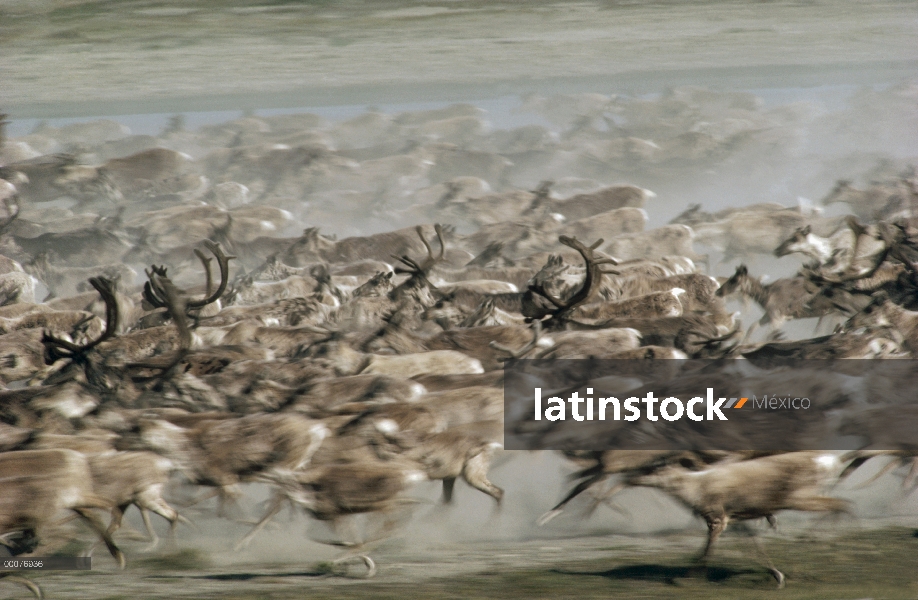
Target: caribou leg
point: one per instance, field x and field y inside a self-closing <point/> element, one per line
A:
<point x="229" y="500"/>
<point x="113" y="526"/>
<point x="890" y="466"/>
<point x="606" y="498"/>
<point x="818" y="324"/>
<point x="367" y="561"/>
<point x="911" y="479"/>
<point x="448" y="484"/>
<point x="33" y="587"/>
<point x="716" y="526"/>
<point x="151" y="533"/>
<point x="359" y="549"/>
<point x="205" y="496"/>
<point x="772" y="323"/>
<point x="579" y="489"/>
<point x="475" y="473"/>
<point x="150" y="501"/>
<point x="277" y="504"/>
<point x="760" y="550"/>
<point x="100" y="529"/>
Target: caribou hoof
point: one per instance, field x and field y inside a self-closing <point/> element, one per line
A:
<point x="33" y="587"/>
<point x="345" y="571"/>
<point x="548" y="517"/>
<point x="780" y="577"/>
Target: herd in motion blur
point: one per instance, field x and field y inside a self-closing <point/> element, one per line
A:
<point x="341" y="372"/>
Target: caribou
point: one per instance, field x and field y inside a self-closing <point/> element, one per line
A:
<point x="748" y="489"/>
<point x="783" y="299"/>
<point x="39" y="485"/>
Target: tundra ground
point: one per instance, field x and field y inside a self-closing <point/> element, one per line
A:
<point x="852" y="563"/>
<point x="87" y="58"/>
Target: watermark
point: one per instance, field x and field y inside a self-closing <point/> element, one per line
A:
<point x="47" y="563"/>
<point x="709" y="405"/>
<point x="670" y="409"/>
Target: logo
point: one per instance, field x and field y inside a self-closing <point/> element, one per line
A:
<point x="598" y="405"/>
<point x="600" y="409"/>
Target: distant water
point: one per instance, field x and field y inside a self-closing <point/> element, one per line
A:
<point x="503" y="112"/>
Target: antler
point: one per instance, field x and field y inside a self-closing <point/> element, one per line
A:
<point x="209" y="285"/>
<point x="431" y="260"/>
<point x="59" y="348"/>
<point x="223" y="262"/>
<point x="890" y="238"/>
<point x="154" y="294"/>
<point x="418" y="271"/>
<point x="176" y="304"/>
<point x="587" y="289"/>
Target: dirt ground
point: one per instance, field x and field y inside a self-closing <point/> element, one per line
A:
<point x="853" y="562"/>
<point x="644" y="547"/>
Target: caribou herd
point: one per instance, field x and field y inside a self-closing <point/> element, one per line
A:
<point x="342" y="371"/>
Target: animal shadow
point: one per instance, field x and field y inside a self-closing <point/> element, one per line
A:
<point x="249" y="576"/>
<point x="668" y="574"/>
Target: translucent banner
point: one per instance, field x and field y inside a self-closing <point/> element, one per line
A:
<point x="773" y="405"/>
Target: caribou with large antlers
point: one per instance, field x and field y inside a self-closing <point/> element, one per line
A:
<point x="561" y="310"/>
<point x="155" y="295"/>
